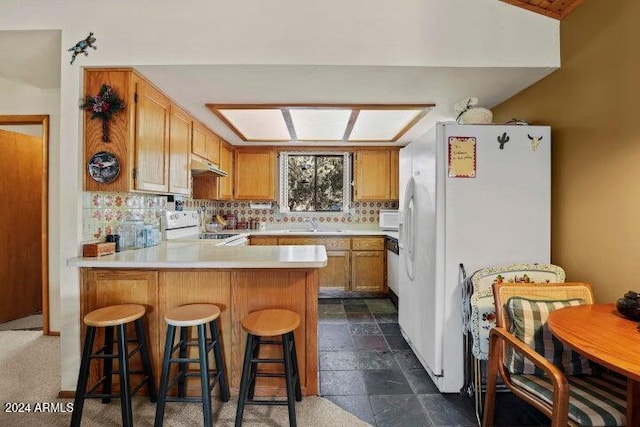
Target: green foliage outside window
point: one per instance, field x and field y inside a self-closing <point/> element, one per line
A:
<point x="315" y="183"/>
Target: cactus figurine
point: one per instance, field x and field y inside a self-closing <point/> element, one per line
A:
<point x="503" y="139"/>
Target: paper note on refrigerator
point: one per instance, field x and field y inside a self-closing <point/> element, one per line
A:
<point x="462" y="157"/>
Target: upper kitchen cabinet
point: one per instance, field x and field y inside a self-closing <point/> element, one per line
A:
<point x="213" y="187"/>
<point x="206" y="144"/>
<point x="225" y="184"/>
<point x="151" y="138"/>
<point x="179" y="151"/>
<point x="255" y="174"/>
<point x="376" y="175"/>
<point x="140" y="154"/>
<point x="394" y="172"/>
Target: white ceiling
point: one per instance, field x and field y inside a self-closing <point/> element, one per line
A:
<point x="34" y="58"/>
<point x="193" y="86"/>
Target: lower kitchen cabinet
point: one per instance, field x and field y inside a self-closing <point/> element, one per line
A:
<point x="264" y="240"/>
<point x="367" y="271"/>
<point x="353" y="264"/>
<point x="336" y="274"/>
<point x="101" y="288"/>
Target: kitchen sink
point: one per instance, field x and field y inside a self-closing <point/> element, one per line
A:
<point x="312" y="231"/>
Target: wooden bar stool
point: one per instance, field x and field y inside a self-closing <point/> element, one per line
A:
<point x="198" y="315"/>
<point x="270" y="323"/>
<point x="114" y="318"/>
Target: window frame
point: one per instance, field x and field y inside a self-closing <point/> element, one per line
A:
<point x="283" y="181"/>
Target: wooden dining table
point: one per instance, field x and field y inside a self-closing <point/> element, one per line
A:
<point x="603" y="335"/>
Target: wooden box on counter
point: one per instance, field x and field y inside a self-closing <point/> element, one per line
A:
<point x="98" y="249"/>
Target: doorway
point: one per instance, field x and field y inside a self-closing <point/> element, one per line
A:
<point x="24" y="189"/>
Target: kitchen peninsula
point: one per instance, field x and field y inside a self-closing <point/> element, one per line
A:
<point x="238" y="279"/>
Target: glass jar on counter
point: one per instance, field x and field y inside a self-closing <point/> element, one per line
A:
<point x="131" y="234"/>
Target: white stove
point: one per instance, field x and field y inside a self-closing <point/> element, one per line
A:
<point x="185" y="225"/>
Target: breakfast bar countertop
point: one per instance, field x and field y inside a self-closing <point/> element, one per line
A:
<point x="177" y="254"/>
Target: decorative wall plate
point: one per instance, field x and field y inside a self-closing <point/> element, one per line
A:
<point x="104" y="167"/>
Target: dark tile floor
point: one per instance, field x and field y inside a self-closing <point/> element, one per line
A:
<point x="367" y="368"/>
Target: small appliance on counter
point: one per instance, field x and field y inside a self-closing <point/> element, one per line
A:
<point x="389" y="219"/>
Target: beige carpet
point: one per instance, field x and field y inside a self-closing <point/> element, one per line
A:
<point x="30" y="374"/>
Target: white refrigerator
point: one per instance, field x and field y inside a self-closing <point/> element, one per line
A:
<point x="477" y="195"/>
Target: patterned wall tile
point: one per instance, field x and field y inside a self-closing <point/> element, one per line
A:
<point x="103" y="212"/>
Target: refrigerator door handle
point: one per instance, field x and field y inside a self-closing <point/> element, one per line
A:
<point x="409" y="229"/>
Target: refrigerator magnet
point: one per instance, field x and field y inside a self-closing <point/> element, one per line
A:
<point x="462" y="157"/>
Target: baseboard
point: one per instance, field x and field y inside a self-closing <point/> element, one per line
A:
<point x="54" y="333"/>
<point x="331" y="293"/>
<point x="393" y="297"/>
<point x="67" y="394"/>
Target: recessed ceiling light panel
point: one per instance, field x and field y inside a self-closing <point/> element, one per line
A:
<point x="258" y="124"/>
<point x="381" y="125"/>
<point x="320" y="125"/>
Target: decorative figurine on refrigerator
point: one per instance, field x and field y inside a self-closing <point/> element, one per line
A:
<point x="535" y="140"/>
<point x="468" y="113"/>
<point x="503" y="139"/>
<point x="82" y="46"/>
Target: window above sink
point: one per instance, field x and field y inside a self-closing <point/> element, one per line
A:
<point x="315" y="182"/>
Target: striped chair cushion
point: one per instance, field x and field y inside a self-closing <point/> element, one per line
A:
<point x="529" y="324"/>
<point x="593" y="401"/>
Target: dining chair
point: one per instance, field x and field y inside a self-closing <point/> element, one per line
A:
<point x="539" y="369"/>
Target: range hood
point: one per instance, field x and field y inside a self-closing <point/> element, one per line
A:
<point x="201" y="166"/>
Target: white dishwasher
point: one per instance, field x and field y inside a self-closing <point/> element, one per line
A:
<point x="393" y="261"/>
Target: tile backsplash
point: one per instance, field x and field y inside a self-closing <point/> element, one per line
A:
<point x="102" y="212"/>
<point x="365" y="213"/>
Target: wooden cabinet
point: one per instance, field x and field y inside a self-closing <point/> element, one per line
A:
<point x="199" y="141"/>
<point x="103" y="287"/>
<point x="264" y="240"/>
<point x="236" y="292"/>
<point x="394" y="178"/>
<point x="212" y="143"/>
<point x="368" y="268"/>
<point x="255" y="174"/>
<point x="151" y="138"/>
<point x="214" y="187"/>
<point x="205" y="144"/>
<point x="376" y="175"/>
<point x="179" y="151"/>
<point x="336" y="274"/>
<point x="139" y="136"/>
<point x="225" y="184"/>
<point x="353" y="264"/>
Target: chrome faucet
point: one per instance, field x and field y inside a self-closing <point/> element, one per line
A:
<point x="314" y="223"/>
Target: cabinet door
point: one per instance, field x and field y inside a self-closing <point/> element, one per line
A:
<point x="213" y="147"/>
<point x="394" y="171"/>
<point x="179" y="152"/>
<point x="337" y="273"/>
<point x="225" y="188"/>
<point x="264" y="240"/>
<point x="101" y="288"/>
<point x="151" y="139"/>
<point x="255" y="175"/>
<point x="199" y="141"/>
<point x="372" y="175"/>
<point x="367" y="271"/>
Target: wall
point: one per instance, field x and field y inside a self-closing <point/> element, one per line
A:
<point x="359" y="32"/>
<point x="591" y="102"/>
<point x="16" y="99"/>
